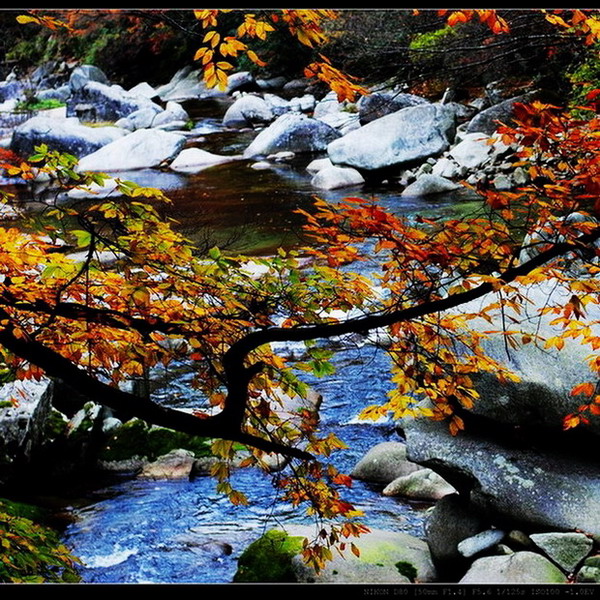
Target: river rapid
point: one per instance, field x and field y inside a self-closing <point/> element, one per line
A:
<point x="134" y="531"/>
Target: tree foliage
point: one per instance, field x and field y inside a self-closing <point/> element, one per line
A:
<point x="142" y="297"/>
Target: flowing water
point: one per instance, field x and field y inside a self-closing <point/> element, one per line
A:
<point x="183" y="531"/>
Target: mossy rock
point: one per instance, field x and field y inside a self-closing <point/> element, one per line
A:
<point x="137" y="438"/>
<point x="269" y="559"/>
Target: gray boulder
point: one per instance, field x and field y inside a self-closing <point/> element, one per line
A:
<point x="515" y="483"/>
<point x="61" y="94"/>
<point x="567" y="550"/>
<point x="383" y="463"/>
<point x="83" y="75"/>
<point x="64" y="135"/>
<point x="10" y="90"/>
<point x="590" y="571"/>
<point x="248" y="111"/>
<point x="22" y="423"/>
<point x="379" y="104"/>
<point x="143" y="89"/>
<point x="408" y="136"/>
<point x="517" y="568"/>
<point x="242" y="80"/>
<point x="107" y="103"/>
<point x="194" y="160"/>
<point x="451" y="521"/>
<point x="187" y="84"/>
<point x="385" y="557"/>
<point x="292" y="132"/>
<point x="487" y="121"/>
<point x="141" y="149"/>
<point x="332" y="178"/>
<point x="428" y="184"/>
<point x="473" y="151"/>
<point x="423" y="484"/>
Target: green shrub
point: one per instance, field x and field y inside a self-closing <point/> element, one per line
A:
<point x="35" y="104"/>
<point x="32" y="553"/>
<point x="586" y="76"/>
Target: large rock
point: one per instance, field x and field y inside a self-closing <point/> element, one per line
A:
<point x="194" y="160"/>
<point x="336" y="177"/>
<point x="567" y="550"/>
<point x="488" y="120"/>
<point x="107" y="102"/>
<point x="64" y="135"/>
<point x="473" y="151"/>
<point x="428" y="185"/>
<point x="515" y="484"/>
<point x="517" y="568"/>
<point x="406" y="137"/>
<point x="186" y="84"/>
<point x="379" y="104"/>
<point x="141" y="149"/>
<point x="247" y="111"/>
<point x="423" y="484"/>
<point x="542" y="395"/>
<point x="177" y="464"/>
<point x="292" y="132"/>
<point x="385" y="557"/>
<point x="451" y="522"/>
<point x="383" y="463"/>
<point x="85" y="74"/>
<point x="24" y="409"/>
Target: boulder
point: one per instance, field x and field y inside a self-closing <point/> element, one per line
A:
<point x="243" y="81"/>
<point x="423" y="484"/>
<point x="451" y="521"/>
<point x="248" y="111"/>
<point x="327" y="106"/>
<point x="514" y="483"/>
<point x="174" y="116"/>
<point x="85" y="74"/>
<point x="385" y="557"/>
<point x="383" y="463"/>
<point x="10" y="90"/>
<point x="292" y="132"/>
<point x="408" y="136"/>
<point x="278" y="105"/>
<point x="143" y="89"/>
<point x="428" y="184"/>
<point x="379" y="104"/>
<point x="194" y="160"/>
<point x="473" y="151"/>
<point x="61" y="94"/>
<point x="187" y="84"/>
<point x="177" y="464"/>
<point x="64" y="135"/>
<point x="517" y="568"/>
<point x="567" y="550"/>
<point x="141" y="149"/>
<point x="487" y="121"/>
<point x="139" y="119"/>
<point x="344" y="122"/>
<point x="336" y="177"/>
<point x="590" y="571"/>
<point x="24" y="409"/>
<point x="108" y="103"/>
<point x="318" y="164"/>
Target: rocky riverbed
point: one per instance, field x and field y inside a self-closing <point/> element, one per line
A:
<point x="516" y="498"/>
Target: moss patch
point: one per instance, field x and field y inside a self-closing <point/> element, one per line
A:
<point x="269" y="559"/>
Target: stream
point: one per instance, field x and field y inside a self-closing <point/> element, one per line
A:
<point x="135" y="531"/>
